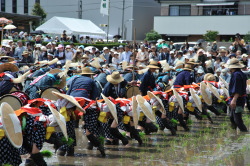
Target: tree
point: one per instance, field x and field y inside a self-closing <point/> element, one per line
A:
<point x="38" y="11"/>
<point x="152" y="35"/>
<point x="247" y="37"/>
<point x="211" y="35"/>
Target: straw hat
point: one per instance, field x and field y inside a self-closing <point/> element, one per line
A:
<point x="70" y="99"/>
<point x="225" y="91"/>
<point x="145" y="107"/>
<point x="192" y="61"/>
<point x="187" y="67"/>
<point x="214" y="90"/>
<point x="10" y="59"/>
<point x="115" y="78"/>
<point x="124" y="65"/>
<point x="25" y="53"/>
<point x="179" y="64"/>
<point x="111" y="107"/>
<point x="211" y="77"/>
<point x="196" y="99"/>
<point x="60" y="121"/>
<point x="87" y="70"/>
<point x="8" y="67"/>
<point x="224" y="82"/>
<point x="12" y="100"/>
<point x="151" y="95"/>
<point x="205" y="94"/>
<point x="95" y="63"/>
<point x="85" y="56"/>
<point x="234" y="63"/>
<point x="47" y="93"/>
<point x="11" y="125"/>
<point x="207" y="75"/>
<point x="153" y="64"/>
<point x="135" y="111"/>
<point x="179" y="99"/>
<point x="223" y="50"/>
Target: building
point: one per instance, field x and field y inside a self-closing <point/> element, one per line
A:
<point x="189" y="19"/>
<point x="125" y="15"/>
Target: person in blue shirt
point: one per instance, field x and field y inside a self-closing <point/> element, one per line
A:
<point x="148" y="79"/>
<point x="237" y="92"/>
<point x="83" y="86"/>
<point x="184" y="77"/>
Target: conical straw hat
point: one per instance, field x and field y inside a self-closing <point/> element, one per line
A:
<point x="196" y="99"/>
<point x="151" y="95"/>
<point x="11" y="125"/>
<point x="214" y="90"/>
<point x="111" y="107"/>
<point x="60" y="121"/>
<point x="226" y="91"/>
<point x="145" y="107"/>
<point x="179" y="99"/>
<point x="70" y="99"/>
<point x="207" y="97"/>
<point x="224" y="82"/>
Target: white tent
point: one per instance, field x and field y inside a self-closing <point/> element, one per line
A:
<point x="56" y="25"/>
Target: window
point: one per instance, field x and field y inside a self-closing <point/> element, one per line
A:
<point x="14" y="6"/>
<point x="26" y="6"/>
<point x="3" y="5"/>
<point x="181" y="10"/>
<point x="220" y="10"/>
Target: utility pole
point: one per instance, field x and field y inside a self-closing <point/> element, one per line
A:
<point x="108" y="22"/>
<point x="80" y="9"/>
<point x="123" y="9"/>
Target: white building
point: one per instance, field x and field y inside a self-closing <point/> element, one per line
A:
<point x="182" y="20"/>
<point x="137" y="14"/>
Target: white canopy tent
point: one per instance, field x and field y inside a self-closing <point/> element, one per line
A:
<point x="56" y="25"/>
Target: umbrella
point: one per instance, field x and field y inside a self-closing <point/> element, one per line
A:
<point x="117" y="36"/>
<point x="10" y="26"/>
<point x="4" y="21"/>
<point x="37" y="32"/>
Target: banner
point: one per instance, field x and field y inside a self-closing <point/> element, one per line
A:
<point x="104" y="7"/>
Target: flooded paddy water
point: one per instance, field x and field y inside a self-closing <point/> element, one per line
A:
<point x="205" y="144"/>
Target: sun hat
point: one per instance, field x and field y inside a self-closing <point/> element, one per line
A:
<point x="11" y="125"/>
<point x="200" y="71"/>
<point x="145" y="107"/>
<point x="115" y="78"/>
<point x="179" y="64"/>
<point x="25" y="52"/>
<point x="67" y="46"/>
<point x="243" y="55"/>
<point x="192" y="61"/>
<point x="8" y="67"/>
<point x="187" y="67"/>
<point x="234" y="63"/>
<point x="87" y="70"/>
<point x="105" y="48"/>
<point x="70" y="99"/>
<point x="206" y="95"/>
<point x="111" y="107"/>
<point x="153" y="64"/>
<point x="223" y="50"/>
<point x="190" y="49"/>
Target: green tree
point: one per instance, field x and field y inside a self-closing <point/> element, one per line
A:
<point x="38" y="11"/>
<point x="247" y="37"/>
<point x="211" y="35"/>
<point x="152" y="35"/>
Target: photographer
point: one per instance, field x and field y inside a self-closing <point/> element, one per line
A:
<point x="239" y="44"/>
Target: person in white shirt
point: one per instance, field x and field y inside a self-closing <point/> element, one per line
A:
<point x="142" y="56"/>
<point x="69" y="53"/>
<point x="115" y="59"/>
<point x="126" y="54"/>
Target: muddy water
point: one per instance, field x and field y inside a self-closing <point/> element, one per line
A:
<point x="205" y="144"/>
